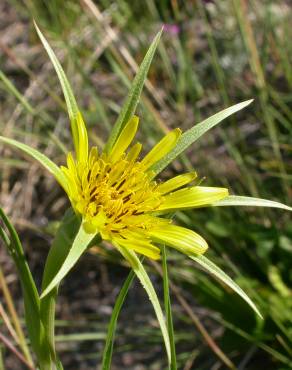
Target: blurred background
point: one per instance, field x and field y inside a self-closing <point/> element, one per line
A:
<point x="212" y="54"/>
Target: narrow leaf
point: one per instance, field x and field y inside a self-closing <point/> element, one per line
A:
<point x="30" y="293"/>
<point x="133" y="97"/>
<point x="237" y="200"/>
<point x="146" y="282"/>
<point x="60" y="248"/>
<point x="67" y="90"/>
<point x="41" y="158"/>
<point x="219" y="274"/>
<point x="108" y="349"/>
<point x="193" y="134"/>
<point x="61" y="245"/>
<point x="79" y="245"/>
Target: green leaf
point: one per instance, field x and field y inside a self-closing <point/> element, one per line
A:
<point x="59" y="250"/>
<point x="41" y="158"/>
<point x="237" y="200"/>
<point x="61" y="245"/>
<point x="108" y="349"/>
<point x="71" y="103"/>
<point x="219" y="274"/>
<point x="67" y="258"/>
<point x="133" y="97"/>
<point x="167" y="305"/>
<point x="193" y="134"/>
<point x="146" y="282"/>
<point x="31" y="297"/>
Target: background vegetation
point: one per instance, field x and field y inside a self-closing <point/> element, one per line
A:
<point x="213" y="54"/>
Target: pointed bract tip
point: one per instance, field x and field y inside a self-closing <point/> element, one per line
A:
<point x="158" y="35"/>
<point x="39" y="32"/>
<point x="35" y="24"/>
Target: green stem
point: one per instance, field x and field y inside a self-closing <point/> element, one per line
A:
<point x="47" y="314"/>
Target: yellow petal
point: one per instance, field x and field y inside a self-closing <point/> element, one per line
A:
<point x="140" y="246"/>
<point x="82" y="150"/>
<point x="146" y="220"/>
<point x="180" y="238"/>
<point x="71" y="187"/>
<point x="196" y="196"/>
<point x="134" y="152"/>
<point x="71" y="163"/>
<point x="162" y="148"/>
<point x="93" y="155"/>
<point x="125" y="138"/>
<point x="176" y="182"/>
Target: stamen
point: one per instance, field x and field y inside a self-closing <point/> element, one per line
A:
<point x="108" y="194"/>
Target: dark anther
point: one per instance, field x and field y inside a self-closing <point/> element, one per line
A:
<point x="121" y="184"/>
<point x="126" y="198"/>
<point x="136" y="213"/>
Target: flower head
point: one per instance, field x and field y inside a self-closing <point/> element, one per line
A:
<point x="117" y="196"/>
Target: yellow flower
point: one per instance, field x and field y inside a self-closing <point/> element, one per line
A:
<point x="117" y="196"/>
<point x="115" y="191"/>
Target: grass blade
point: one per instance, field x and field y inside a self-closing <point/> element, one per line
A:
<point x="108" y="349"/>
<point x="142" y="275"/>
<point x="133" y="97"/>
<point x="14" y="329"/>
<point x="238" y="200"/>
<point x="218" y="273"/>
<point x="11" y="88"/>
<point x="167" y="305"/>
<point x="193" y="134"/>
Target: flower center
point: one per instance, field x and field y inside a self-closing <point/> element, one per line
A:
<point x="107" y="194"/>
